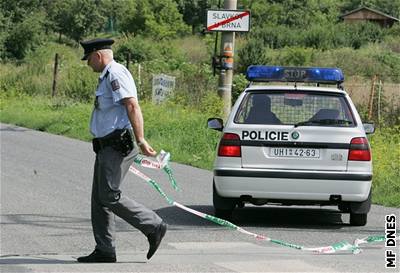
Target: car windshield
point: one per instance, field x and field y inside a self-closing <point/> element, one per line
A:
<point x="295" y="108"/>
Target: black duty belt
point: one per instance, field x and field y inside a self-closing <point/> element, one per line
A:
<point x="121" y="140"/>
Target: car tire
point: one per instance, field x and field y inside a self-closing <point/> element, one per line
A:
<point x="223" y="206"/>
<point x="359" y="211"/>
<point x="358" y="219"/>
<point x="343" y="207"/>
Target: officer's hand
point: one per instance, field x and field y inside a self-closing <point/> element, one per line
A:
<point x="146" y="148"/>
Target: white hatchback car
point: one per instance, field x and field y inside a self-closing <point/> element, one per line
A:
<point x="293" y="144"/>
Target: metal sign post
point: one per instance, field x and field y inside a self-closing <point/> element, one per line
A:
<point x="229" y="20"/>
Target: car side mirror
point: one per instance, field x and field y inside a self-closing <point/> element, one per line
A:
<point x="215" y="124"/>
<point x="369" y="128"/>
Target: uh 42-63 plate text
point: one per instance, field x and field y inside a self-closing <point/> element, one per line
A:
<point x="294" y="152"/>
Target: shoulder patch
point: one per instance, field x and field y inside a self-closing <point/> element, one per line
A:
<point x="115" y="85"/>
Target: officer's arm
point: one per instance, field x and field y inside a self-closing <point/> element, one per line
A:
<point x="136" y="118"/>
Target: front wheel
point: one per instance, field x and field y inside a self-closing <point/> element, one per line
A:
<point x="358" y="219"/>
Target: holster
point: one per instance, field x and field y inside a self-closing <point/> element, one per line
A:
<point x="120" y="140"/>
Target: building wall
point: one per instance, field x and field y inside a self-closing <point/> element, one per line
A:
<point x="367" y="15"/>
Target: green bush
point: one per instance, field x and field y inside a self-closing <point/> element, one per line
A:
<point x="295" y="56"/>
<point x="141" y="49"/>
<point x="319" y="37"/>
<point x="239" y="84"/>
<point x="79" y="83"/>
<point x="385" y="145"/>
<point x="211" y="104"/>
<point x="35" y="75"/>
<point x="25" y="36"/>
<point x="363" y="33"/>
<point x="251" y="53"/>
<point x="157" y="19"/>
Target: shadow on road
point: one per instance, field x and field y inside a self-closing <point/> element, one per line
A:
<point x="278" y="217"/>
<point x="313" y="218"/>
<point x="43" y="220"/>
<point x="15" y="260"/>
<point x="34" y="260"/>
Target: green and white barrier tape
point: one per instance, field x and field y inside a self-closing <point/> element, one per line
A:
<point x="162" y="162"/>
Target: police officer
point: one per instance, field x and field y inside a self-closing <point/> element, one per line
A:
<point x="117" y="127"/>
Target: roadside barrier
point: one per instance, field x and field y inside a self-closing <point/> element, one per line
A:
<point x="162" y="163"/>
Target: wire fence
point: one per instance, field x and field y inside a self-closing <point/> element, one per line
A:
<point x="378" y="100"/>
<point x="359" y="90"/>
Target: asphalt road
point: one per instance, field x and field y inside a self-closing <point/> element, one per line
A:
<point x="45" y="220"/>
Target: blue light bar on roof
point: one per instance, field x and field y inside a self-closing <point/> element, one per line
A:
<point x="263" y="73"/>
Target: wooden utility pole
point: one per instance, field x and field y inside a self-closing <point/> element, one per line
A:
<point x="371" y="98"/>
<point x="226" y="75"/>
<point x="55" y="72"/>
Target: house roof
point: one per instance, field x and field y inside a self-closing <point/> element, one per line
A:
<point x="372" y="10"/>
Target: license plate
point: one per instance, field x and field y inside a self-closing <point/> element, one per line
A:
<point x="294" y="152"/>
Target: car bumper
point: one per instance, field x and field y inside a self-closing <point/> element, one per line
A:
<point x="292" y="185"/>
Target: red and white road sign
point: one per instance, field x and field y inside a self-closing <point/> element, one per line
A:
<point x="228" y="20"/>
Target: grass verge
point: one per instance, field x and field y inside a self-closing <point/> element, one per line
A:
<point x="180" y="131"/>
<point x="183" y="132"/>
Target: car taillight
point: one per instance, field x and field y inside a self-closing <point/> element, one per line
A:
<point x="230" y="145"/>
<point x="359" y="149"/>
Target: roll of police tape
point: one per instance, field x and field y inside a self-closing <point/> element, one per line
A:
<point x="162" y="162"/>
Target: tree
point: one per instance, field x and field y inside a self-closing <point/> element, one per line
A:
<point x="17" y="11"/>
<point x="21" y="27"/>
<point x="194" y="12"/>
<point x="118" y="13"/>
<point x="76" y="18"/>
<point x="25" y="36"/>
<point x="4" y="26"/>
<point x="158" y="19"/>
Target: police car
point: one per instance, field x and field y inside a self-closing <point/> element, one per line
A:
<point x="296" y="143"/>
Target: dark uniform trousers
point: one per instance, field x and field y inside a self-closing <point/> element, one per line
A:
<point x="107" y="199"/>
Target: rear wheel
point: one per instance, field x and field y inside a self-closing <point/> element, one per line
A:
<point x="359" y="211"/>
<point x="223" y="206"/>
<point x="358" y="219"/>
<point x="343" y="207"/>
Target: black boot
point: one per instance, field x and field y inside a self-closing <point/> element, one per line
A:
<point x="98" y="256"/>
<point x="155" y="238"/>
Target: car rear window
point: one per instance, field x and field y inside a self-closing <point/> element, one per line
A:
<point x="295" y="108"/>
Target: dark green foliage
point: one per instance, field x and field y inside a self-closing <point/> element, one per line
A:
<point x="158" y="19"/>
<point x="24" y="36"/>
<point x="21" y="27"/>
<point x="140" y="48"/>
<point x="194" y="12"/>
<point x="252" y="53"/>
<point x="144" y="50"/>
<point x="239" y="84"/>
<point x="4" y="22"/>
<point x="278" y="24"/>
<point x="363" y="33"/>
<point x="76" y="18"/>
